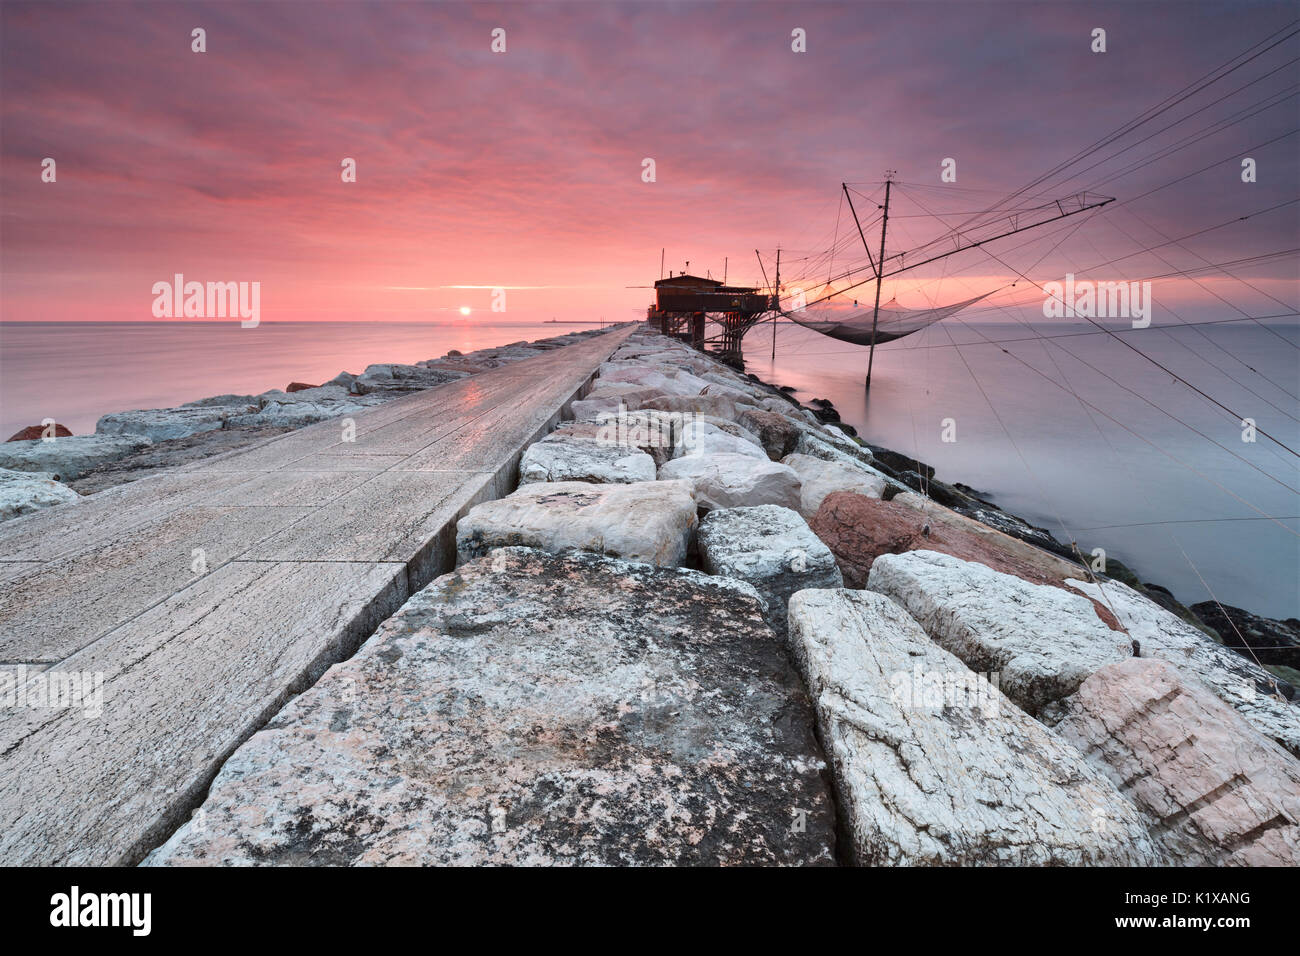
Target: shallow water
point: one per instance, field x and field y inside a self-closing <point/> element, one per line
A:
<point x="1122" y="475"/>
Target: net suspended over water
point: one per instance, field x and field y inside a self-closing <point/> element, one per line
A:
<point x="850" y="321"/>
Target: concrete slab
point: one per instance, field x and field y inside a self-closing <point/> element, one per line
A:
<point x="309" y="542"/>
<point x="62" y="605"/>
<point x="183" y="685"/>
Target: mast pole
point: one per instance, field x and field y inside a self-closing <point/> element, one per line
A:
<point x="875" y="316"/>
<point x="778" y="301"/>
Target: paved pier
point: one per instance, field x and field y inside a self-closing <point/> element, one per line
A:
<point x="306" y="543"/>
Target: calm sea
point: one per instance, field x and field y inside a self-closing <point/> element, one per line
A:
<point x="1129" y="474"/>
<point x="75" y="372"/>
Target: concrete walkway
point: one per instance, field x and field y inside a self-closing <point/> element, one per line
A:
<point x="303" y="544"/>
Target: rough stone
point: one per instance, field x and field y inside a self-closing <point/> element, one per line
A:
<point x="1044" y="641"/>
<point x="859" y="529"/>
<point x="610" y="398"/>
<point x="771" y="548"/>
<point x="295" y="414"/>
<point x="536" y="710"/>
<point x="40" y="431"/>
<point x="820" y="478"/>
<point x="735" y="481"/>
<point x="703" y="438"/>
<point x="227" y="399"/>
<point x="64" y="459"/>
<point x="631" y="436"/>
<point x="161" y="424"/>
<point x="719" y="406"/>
<point x="400" y="379"/>
<point x="582" y="459"/>
<point x="650" y="521"/>
<point x="1241" y="684"/>
<point x="22" y="492"/>
<point x="817" y="444"/>
<point x="932" y="764"/>
<point x="1216" y="790"/>
<point x="777" y="433"/>
<point x="1273" y="642"/>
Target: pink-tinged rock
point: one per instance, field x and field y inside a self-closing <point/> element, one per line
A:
<point x="1217" y="791"/>
<point x="933" y="766"/>
<point x="1237" y="681"/>
<point x="537" y="710"/>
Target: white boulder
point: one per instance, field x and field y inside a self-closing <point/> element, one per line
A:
<point x="561" y="458"/>
<point x="735" y="481"/>
<point x="1215" y="789"/>
<point x="1043" y="640"/>
<point x="771" y="548"/>
<point x="22" y="492"/>
<point x="932" y="764"/>
<point x="65" y="459"/>
<point x="1240" y="683"/>
<point x="705" y="438"/>
<point x="820" y="478"/>
<point x="650" y="521"/>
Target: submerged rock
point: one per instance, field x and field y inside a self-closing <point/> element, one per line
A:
<point x="771" y="548"/>
<point x="735" y="481"/>
<point x="22" y="492"/>
<point x="650" y="521"/>
<point x="563" y="457"/>
<point x="64" y="459"/>
<point x="1044" y="641"/>
<point x="932" y="764"/>
<point x="1216" y="790"/>
<point x="1272" y="642"/>
<point x="536" y="710"/>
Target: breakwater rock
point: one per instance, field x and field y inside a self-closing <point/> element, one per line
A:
<point x="646" y="654"/>
<point x="539" y="710"/>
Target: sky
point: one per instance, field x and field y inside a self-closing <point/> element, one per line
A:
<point x="524" y="170"/>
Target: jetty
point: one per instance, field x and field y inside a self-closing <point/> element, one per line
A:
<point x="208" y="596"/>
<point x="616" y="603"/>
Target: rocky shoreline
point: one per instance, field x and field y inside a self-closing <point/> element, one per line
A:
<point x="711" y="626"/>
